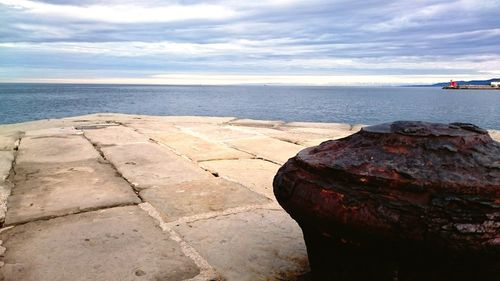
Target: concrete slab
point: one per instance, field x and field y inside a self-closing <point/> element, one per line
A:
<point x="331" y="126"/>
<point x="147" y="165"/>
<point x="163" y="123"/>
<point x="55" y="149"/>
<point x="290" y="135"/>
<point x="6" y="159"/>
<point x="113" y="244"/>
<point x="267" y="148"/>
<point x="57" y="131"/>
<point x="49" y="190"/>
<point x="107" y="119"/>
<point x="95" y="126"/>
<point x="218" y="133"/>
<point x="307" y="136"/>
<point x="152" y="127"/>
<point x="255" y="174"/>
<point x="256" y="123"/>
<point x="249" y="246"/>
<point x="11" y="129"/>
<point x="115" y="135"/>
<point x="197" y="197"/>
<point x="320" y="132"/>
<point x="194" y="119"/>
<point x="197" y="149"/>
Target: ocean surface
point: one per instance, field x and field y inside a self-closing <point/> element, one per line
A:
<point x="355" y="105"/>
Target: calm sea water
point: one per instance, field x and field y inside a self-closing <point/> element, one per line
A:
<point x="366" y="105"/>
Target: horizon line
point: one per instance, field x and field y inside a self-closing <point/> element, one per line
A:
<point x="236" y="84"/>
<point x="216" y="79"/>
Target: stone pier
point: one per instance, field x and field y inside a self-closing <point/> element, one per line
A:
<point x="127" y="197"/>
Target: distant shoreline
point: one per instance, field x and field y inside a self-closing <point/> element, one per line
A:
<point x="471" y="87"/>
<point x="219" y="85"/>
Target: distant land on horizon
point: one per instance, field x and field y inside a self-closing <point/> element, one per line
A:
<point x="461" y="82"/>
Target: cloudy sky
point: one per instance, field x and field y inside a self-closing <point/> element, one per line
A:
<point x="235" y="41"/>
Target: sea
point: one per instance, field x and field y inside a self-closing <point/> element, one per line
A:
<point x="354" y="105"/>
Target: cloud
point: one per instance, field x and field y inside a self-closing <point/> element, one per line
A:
<point x="266" y="38"/>
<point x="123" y="13"/>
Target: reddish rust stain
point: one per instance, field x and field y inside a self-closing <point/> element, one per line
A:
<point x="396" y="149"/>
<point x="401" y="184"/>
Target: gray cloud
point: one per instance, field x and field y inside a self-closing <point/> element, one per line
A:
<point x="430" y="37"/>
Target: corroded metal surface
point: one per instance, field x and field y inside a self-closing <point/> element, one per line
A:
<point x="405" y="187"/>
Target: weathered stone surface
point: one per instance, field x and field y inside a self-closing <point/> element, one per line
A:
<point x="106" y="117"/>
<point x="48" y="190"/>
<point x="57" y="149"/>
<point x="147" y="165"/>
<point x="5" y="188"/>
<point x="495" y="134"/>
<point x="114" y="135"/>
<point x="258" y="245"/>
<point x="95" y="126"/>
<point x="53" y="132"/>
<point x="218" y="133"/>
<point x="197" y="149"/>
<point x="256" y="123"/>
<point x="423" y="191"/>
<point x="159" y="122"/>
<point x="298" y="136"/>
<point x="311" y="134"/>
<point x="152" y="127"/>
<point x="236" y="241"/>
<point x="6" y="158"/>
<point x="113" y="244"/>
<point x="8" y="142"/>
<point x="197" y="197"/>
<point x="195" y="119"/>
<point x="255" y="174"/>
<point x="318" y="125"/>
<point x="318" y="132"/>
<point x="267" y="148"/>
<point x="19" y="128"/>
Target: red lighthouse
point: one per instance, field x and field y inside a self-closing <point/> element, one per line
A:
<point x="453" y="84"/>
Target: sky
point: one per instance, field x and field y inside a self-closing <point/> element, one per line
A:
<point x="317" y="42"/>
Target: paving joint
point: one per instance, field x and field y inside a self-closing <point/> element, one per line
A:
<point x="98" y="149"/>
<point x="241" y="150"/>
<point x="182" y="155"/>
<point x="12" y="174"/>
<point x="226" y="212"/>
<point x="207" y="272"/>
<point x="80" y="211"/>
<point x="160" y="144"/>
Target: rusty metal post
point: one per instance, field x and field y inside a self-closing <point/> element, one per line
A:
<point x="398" y="201"/>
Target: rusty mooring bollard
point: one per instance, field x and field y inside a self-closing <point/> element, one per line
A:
<point x="398" y="201"/>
